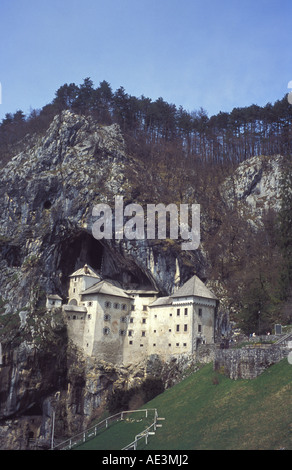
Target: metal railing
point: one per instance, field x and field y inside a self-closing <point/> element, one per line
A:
<point x="145" y="434"/>
<point x="92" y="432"/>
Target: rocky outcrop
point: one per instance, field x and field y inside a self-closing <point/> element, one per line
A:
<point x="47" y="195"/>
<point x="255" y="185"/>
<point x="48" y="192"/>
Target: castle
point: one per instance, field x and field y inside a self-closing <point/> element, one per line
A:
<point x="123" y="325"/>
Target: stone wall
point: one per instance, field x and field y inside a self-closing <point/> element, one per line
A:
<point x="247" y="363"/>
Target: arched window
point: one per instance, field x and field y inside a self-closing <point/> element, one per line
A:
<point x="73" y="302"/>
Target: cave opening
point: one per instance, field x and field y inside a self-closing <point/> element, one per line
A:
<point x="47" y="205"/>
<point x="81" y="249"/>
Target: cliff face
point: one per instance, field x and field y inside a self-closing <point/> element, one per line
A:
<point x="255" y="185"/>
<point x="48" y="192"/>
<point x="47" y="195"/>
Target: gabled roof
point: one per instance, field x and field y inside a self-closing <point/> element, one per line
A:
<point x="194" y="287"/>
<point x="105" y="287"/>
<point x="54" y="297"/>
<point x="85" y="271"/>
<point x="161" y="301"/>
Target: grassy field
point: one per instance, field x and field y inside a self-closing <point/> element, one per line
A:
<point x="209" y="411"/>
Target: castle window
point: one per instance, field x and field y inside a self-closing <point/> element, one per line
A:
<point x="116" y="305"/>
<point x="177" y="345"/>
<point x="185" y="327"/>
<point x="144" y="308"/>
<point x="122" y="332"/>
<point x="186" y="311"/>
<point x="124" y="307"/>
<point x="154" y="344"/>
<point x="130" y="332"/>
<point x="170" y="314"/>
<point x="106" y="331"/>
<point x="123" y="319"/>
<point x="154" y="331"/>
<point x="199" y="328"/>
<point x="169" y="330"/>
<point x="74" y="317"/>
<point x="107" y="304"/>
<point x="132" y="307"/>
<point x="169" y="345"/>
<point x="185" y="344"/>
<point x="178" y="312"/>
<point x="130" y="342"/>
<point x="107" y="317"/>
<point x="143" y="333"/>
<point x="89" y="304"/>
<point x="200" y="312"/>
<point x="143" y="320"/>
<point x="131" y="320"/>
<point x="89" y="317"/>
<point x="177" y="327"/>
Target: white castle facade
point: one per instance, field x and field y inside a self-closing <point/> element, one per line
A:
<point x="122" y="326"/>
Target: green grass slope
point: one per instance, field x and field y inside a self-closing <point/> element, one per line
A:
<point x="209" y="411"/>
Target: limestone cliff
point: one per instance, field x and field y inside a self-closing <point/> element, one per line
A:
<point x="47" y="195"/>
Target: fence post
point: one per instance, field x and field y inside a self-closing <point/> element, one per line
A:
<point x="146" y="416"/>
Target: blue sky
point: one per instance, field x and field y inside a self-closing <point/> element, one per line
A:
<point x="195" y="53"/>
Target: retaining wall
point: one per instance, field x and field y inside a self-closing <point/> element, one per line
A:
<point x="247" y="363"/>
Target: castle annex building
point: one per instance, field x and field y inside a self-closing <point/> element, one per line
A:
<point x="121" y="325"/>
